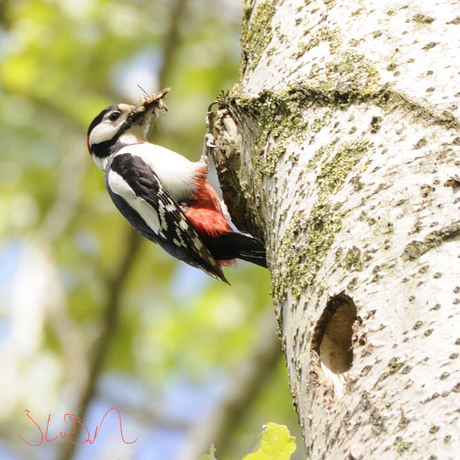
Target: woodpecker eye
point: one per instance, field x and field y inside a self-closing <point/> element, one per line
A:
<point x="114" y="116"/>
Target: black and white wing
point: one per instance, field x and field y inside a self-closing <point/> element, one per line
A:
<point x="139" y="195"/>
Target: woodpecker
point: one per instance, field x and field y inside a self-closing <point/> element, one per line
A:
<point x="164" y="196"/>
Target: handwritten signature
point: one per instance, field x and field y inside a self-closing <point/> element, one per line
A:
<point x="75" y="421"/>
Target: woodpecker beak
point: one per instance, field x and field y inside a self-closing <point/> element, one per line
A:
<point x="146" y="110"/>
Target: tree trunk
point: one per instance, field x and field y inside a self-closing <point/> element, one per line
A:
<point x="339" y="147"/>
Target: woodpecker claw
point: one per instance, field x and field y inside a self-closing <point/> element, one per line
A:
<point x="211" y="106"/>
<point x="209" y="140"/>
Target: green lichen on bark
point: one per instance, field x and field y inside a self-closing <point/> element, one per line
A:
<point x="358" y="69"/>
<point x="281" y="120"/>
<point x="329" y="3"/>
<point x="304" y="246"/>
<point x="353" y="259"/>
<point x="324" y="34"/>
<point x="433" y="240"/>
<point x="422" y="19"/>
<point x="257" y="33"/>
<point x="309" y="238"/>
<point x="333" y="172"/>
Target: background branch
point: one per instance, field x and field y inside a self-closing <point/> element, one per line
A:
<point x="245" y="385"/>
<point x="117" y="284"/>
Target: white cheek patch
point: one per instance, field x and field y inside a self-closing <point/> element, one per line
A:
<point x="101" y="133"/>
<point x="105" y="131"/>
<point x="119" y="186"/>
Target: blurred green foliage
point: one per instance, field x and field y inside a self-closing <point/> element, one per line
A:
<point x="61" y="239"/>
<point x="275" y="444"/>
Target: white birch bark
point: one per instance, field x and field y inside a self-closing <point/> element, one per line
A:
<point x="337" y="147"/>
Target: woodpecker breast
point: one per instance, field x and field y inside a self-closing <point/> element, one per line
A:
<point x="177" y="174"/>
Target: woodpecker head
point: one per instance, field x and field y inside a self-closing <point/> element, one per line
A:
<point x="122" y="124"/>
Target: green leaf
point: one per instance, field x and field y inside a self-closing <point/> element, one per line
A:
<point x="276" y="443"/>
<point x="209" y="456"/>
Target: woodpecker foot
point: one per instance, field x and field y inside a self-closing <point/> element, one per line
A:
<point x="209" y="141"/>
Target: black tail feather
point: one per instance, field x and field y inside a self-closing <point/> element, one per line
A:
<point x="237" y="246"/>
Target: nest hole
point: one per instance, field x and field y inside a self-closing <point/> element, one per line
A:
<point x="332" y="339"/>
